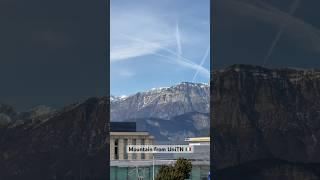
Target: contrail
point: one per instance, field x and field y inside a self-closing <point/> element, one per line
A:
<point x="201" y="63"/>
<point x="178" y="38"/>
<point x="183" y="61"/>
<point x="158" y="46"/>
<point x="186" y="64"/>
<point x="292" y="9"/>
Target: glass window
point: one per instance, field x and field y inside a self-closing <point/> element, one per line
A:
<point x="125" y="143"/>
<point x="134" y="142"/>
<point x="116" y="152"/>
<point x="142" y="154"/>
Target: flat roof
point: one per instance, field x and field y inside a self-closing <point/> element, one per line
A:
<point x="157" y="162"/>
<point x="198" y="139"/>
<point x="123" y="126"/>
<point x="139" y="133"/>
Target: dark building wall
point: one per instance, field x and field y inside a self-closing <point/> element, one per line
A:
<point x="123" y="127"/>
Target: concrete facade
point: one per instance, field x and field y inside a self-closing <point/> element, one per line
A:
<point x="119" y="140"/>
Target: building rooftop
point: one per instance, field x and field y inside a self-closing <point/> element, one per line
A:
<point x="134" y="163"/>
<point x="123" y="127"/>
<point x="198" y="139"/>
<point x="136" y="133"/>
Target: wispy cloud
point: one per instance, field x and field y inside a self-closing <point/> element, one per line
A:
<point x="139" y="24"/>
<point x="141" y="33"/>
<point x="183" y="61"/>
<point x="131" y="50"/>
<point x="160" y="42"/>
<point x="125" y="73"/>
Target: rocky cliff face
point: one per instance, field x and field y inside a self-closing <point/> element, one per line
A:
<point x="169" y="114"/>
<point x="7" y="114"/>
<point x="70" y="143"/>
<point x="260" y="113"/>
<point x="163" y="103"/>
<point x="177" y="128"/>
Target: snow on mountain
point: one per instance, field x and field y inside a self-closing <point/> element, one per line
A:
<point x="164" y="102"/>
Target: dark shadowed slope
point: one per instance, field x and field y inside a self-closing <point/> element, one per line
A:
<point x="71" y="143"/>
<point x="260" y="113"/>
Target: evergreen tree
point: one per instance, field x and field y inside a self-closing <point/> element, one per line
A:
<point x="179" y="171"/>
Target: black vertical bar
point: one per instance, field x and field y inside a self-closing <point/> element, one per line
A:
<point x="108" y="87"/>
<point x="212" y="53"/>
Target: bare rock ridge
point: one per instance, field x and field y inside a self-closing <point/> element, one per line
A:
<point x="185" y="105"/>
<point x="177" y="128"/>
<point x="163" y="103"/>
<point x="7" y="114"/>
<point x="261" y="113"/>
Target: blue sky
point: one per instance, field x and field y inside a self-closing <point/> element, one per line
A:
<point x="158" y="43"/>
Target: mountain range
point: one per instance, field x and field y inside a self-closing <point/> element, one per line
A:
<point x="69" y="143"/>
<point x="261" y="116"/>
<point x="265" y="125"/>
<point x="170" y="113"/>
<point x="164" y="103"/>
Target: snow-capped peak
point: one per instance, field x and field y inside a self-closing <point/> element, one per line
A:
<point x="118" y="98"/>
